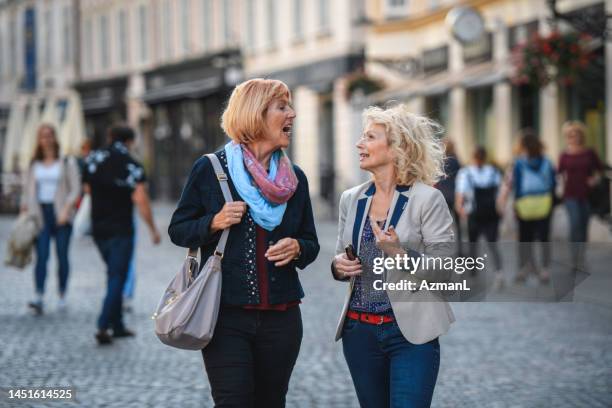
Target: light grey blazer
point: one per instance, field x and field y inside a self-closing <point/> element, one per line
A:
<point x="423" y="223"/>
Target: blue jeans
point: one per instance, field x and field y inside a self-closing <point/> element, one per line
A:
<point x="578" y="212"/>
<point x="388" y="370"/>
<point x="130" y="281"/>
<point x="116" y="252"/>
<point x="43" y="242"/>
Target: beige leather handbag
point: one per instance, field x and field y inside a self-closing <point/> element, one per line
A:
<point x="187" y="312"/>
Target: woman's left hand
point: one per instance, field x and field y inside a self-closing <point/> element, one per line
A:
<point x="63" y="218"/>
<point x="388" y="240"/>
<point x="283" y="252"/>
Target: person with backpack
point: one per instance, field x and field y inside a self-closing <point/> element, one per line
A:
<point x="532" y="180"/>
<point x="475" y="200"/>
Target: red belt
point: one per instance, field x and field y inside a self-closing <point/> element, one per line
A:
<point x="370" y="318"/>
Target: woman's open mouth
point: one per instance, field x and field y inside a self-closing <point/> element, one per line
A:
<point x="287" y="130"/>
<point x="363" y="156"/>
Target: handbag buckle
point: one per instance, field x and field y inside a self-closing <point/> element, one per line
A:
<point x="218" y="253"/>
<point x="221" y="176"/>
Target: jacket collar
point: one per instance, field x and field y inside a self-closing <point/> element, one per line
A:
<point x="398" y="204"/>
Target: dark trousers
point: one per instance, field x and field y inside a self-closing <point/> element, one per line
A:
<point x="43" y="242"/>
<point x="116" y="252"/>
<point x="388" y="370"/>
<point x="490" y="229"/>
<point x="529" y="232"/>
<point x="251" y="356"/>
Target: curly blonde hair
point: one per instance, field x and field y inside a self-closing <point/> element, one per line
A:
<point x="415" y="140"/>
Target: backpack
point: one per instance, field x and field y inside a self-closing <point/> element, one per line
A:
<point x="535" y="190"/>
<point x="485" y="201"/>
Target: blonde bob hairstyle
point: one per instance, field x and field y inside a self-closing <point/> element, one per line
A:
<point x="575" y="127"/>
<point x="243" y="119"/>
<point x="419" y="152"/>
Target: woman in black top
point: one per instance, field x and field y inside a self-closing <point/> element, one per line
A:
<point x="259" y="330"/>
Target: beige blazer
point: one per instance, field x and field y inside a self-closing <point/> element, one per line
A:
<point x="66" y="196"/>
<point x="423" y="223"/>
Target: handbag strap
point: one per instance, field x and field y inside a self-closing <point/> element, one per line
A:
<point x="222" y="177"/>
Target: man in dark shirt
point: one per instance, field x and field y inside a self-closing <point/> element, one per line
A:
<point x="116" y="182"/>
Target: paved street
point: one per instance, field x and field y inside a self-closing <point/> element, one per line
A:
<point x="496" y="354"/>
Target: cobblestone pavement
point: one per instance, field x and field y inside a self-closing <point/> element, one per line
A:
<point x="496" y="354"/>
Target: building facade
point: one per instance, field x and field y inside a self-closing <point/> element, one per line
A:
<point x="468" y="88"/>
<point x="165" y="67"/>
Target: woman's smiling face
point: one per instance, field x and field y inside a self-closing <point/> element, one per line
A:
<point x="373" y="147"/>
<point x="279" y="122"/>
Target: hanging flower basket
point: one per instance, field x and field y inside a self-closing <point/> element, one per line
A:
<point x="550" y="58"/>
<point x="360" y="82"/>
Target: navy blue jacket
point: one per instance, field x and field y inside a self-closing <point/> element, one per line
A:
<point x="190" y="228"/>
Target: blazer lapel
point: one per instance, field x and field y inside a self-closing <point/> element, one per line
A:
<point x="363" y="206"/>
<point x="399" y="202"/>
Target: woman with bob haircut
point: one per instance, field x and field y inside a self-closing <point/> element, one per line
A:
<point x="390" y="337"/>
<point x="259" y="329"/>
<point x="51" y="189"/>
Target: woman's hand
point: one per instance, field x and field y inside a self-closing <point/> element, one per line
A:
<point x="63" y="217"/>
<point x="388" y="240"/>
<point x="283" y="252"/>
<point x="345" y="267"/>
<point x="230" y="214"/>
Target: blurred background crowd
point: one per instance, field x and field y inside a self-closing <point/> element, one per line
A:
<point x="485" y="69"/>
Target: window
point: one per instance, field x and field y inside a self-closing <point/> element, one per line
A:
<point x="48" y="38"/>
<point x="227" y="18"/>
<point x="88" y="46"/>
<point x="122" y="38"/>
<point x="298" y="29"/>
<point x="143" y="32"/>
<point x="167" y="28"/>
<point x="396" y="8"/>
<point x="104" y="45"/>
<point x="250" y="25"/>
<point x="271" y="24"/>
<point x="66" y="35"/>
<point x="185" y="27"/>
<point x="207" y="10"/>
<point x="324" y="15"/>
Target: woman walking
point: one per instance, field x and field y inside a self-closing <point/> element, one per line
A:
<point x="259" y="329"/>
<point x="532" y="179"/>
<point x="478" y="187"/>
<point x="51" y="189"/>
<point x="390" y="338"/>
<point x="580" y="167"/>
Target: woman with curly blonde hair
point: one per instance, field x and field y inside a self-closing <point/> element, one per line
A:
<point x="390" y="337"/>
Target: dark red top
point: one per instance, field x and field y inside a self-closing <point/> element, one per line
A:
<point x="261" y="246"/>
<point x="577" y="168"/>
